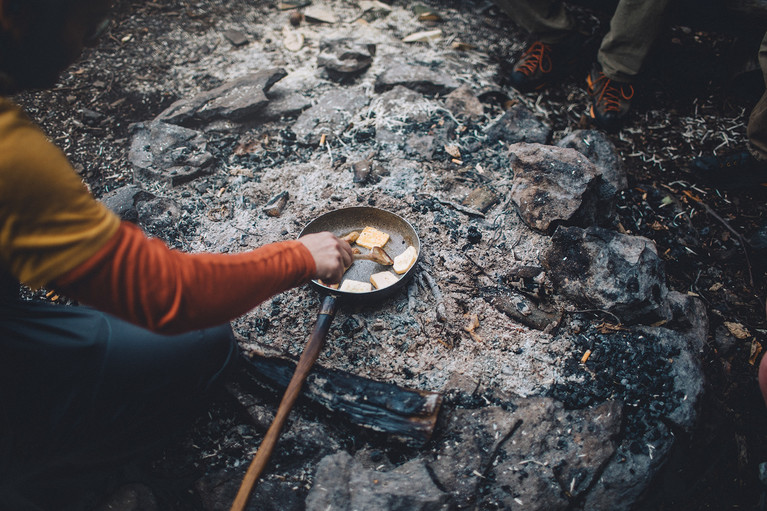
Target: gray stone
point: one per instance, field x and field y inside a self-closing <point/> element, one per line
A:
<point x="602" y="269"/>
<point x="170" y="153"/>
<point x="464" y="104"/>
<point x="344" y="484"/>
<point x="481" y="198"/>
<point x="471" y="436"/>
<point x="418" y="77"/>
<point x="554" y="456"/>
<point x="518" y="124"/>
<point x="330" y="116"/>
<point x="122" y="201"/>
<point x="682" y="405"/>
<point x="345" y="57"/>
<point x="595" y="146"/>
<point x="688" y="315"/>
<point x="237" y="100"/>
<point x="284" y="105"/>
<point x="553" y="186"/>
<point x="628" y="475"/>
<point x="235" y="37"/>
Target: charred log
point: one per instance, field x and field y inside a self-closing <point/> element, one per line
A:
<point x="521" y="309"/>
<point x="383" y="407"/>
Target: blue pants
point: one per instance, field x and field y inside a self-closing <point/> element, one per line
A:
<point x="80" y="388"/>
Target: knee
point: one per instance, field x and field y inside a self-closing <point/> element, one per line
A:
<point x="763" y="378"/>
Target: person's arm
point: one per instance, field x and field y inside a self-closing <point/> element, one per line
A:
<point x="145" y="282"/>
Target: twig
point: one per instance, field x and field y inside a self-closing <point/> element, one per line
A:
<point x="616" y="318"/>
<point x="462" y="209"/>
<point x="412" y="292"/>
<point x="741" y="239"/>
<point x="441" y="312"/>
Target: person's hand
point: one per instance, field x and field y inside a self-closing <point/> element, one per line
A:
<point x="331" y="255"/>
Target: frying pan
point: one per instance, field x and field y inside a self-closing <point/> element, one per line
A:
<point x="340" y="222"/>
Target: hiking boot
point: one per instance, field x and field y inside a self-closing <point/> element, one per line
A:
<point x="543" y="64"/>
<point x="730" y="171"/>
<point x="610" y="99"/>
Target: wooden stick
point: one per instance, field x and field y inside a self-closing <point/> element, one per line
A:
<point x="308" y="357"/>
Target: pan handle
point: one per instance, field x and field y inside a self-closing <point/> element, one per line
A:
<point x="308" y="357"/>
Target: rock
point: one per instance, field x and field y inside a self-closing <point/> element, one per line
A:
<point x="235" y="37"/>
<point x="122" y="201"/>
<point x="682" y="405"/>
<point x="330" y="116"/>
<point x="481" y="198"/>
<point x="553" y="456"/>
<point x="602" y="269"/>
<point x="418" y="77"/>
<point x="344" y="58"/>
<point x="165" y="152"/>
<point x="553" y="186"/>
<point x="344" y="484"/>
<point x="688" y="315"/>
<point x="284" y="105"/>
<point x="320" y="14"/>
<point x="238" y="100"/>
<point x="518" y="124"/>
<point x="595" y="146"/>
<point x="522" y="309"/>
<point x="471" y="436"/>
<point x="276" y="204"/>
<point x="628" y="475"/>
<point x="367" y="170"/>
<point x="464" y="104"/>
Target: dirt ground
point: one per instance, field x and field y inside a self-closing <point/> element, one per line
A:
<point x="695" y="98"/>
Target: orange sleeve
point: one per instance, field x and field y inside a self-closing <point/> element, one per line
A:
<point x="145" y="282"/>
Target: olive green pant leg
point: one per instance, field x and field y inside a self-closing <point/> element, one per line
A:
<point x="548" y="20"/>
<point x="633" y="30"/>
<point x="757" y="122"/>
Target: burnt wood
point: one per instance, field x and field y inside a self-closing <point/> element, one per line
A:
<point x="521" y="309"/>
<point x="383" y="407"/>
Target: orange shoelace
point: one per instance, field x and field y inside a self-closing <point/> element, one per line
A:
<point x="609" y="94"/>
<point x="537" y="56"/>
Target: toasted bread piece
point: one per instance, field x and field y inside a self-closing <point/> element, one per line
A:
<point x="405" y="260"/>
<point x="351" y="237"/>
<point x="355" y="286"/>
<point x="371" y="237"/>
<point x="383" y="279"/>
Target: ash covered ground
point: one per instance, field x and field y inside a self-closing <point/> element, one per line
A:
<point x="695" y="99"/>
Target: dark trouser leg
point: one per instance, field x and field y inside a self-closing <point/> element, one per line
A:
<point x="546" y="19"/>
<point x="757" y="122"/>
<point x="79" y="388"/>
<point x="633" y="30"/>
